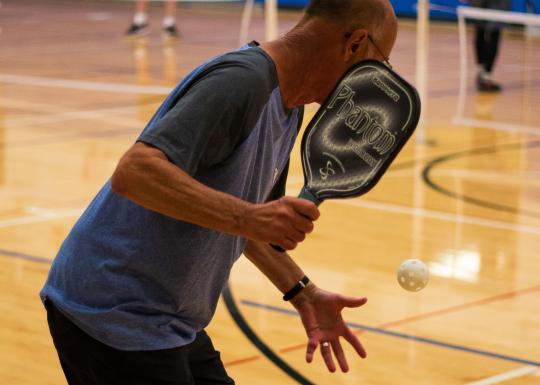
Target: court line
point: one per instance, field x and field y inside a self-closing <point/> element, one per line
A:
<point x="470" y="199"/>
<point x="393" y="208"/>
<point x="519" y="372"/>
<point x="27" y="257"/>
<point x="429" y="341"/>
<point x="360" y="327"/>
<point x="240" y="321"/>
<point x="463" y="306"/>
<point x="497" y="126"/>
<point x="108" y="114"/>
<point x="62" y="139"/>
<point x="439" y="215"/>
<point x="408" y="319"/>
<point x="40" y="215"/>
<point x="439" y="312"/>
<point x="37" y="81"/>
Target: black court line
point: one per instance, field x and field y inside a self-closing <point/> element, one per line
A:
<point x="469" y="199"/>
<point x="255" y="340"/>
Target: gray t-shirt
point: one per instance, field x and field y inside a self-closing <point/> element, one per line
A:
<point x="138" y="280"/>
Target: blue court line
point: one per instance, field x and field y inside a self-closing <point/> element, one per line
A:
<point x="404" y="336"/>
<point x="27" y="257"/>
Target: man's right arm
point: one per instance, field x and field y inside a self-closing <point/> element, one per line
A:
<point x="145" y="176"/>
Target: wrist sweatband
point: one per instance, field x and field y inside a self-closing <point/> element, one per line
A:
<point x="296" y="289"/>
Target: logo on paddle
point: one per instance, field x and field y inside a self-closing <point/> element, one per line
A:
<point x="329" y="169"/>
<point x="370" y="131"/>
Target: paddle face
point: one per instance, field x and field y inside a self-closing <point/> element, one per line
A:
<point x="356" y="134"/>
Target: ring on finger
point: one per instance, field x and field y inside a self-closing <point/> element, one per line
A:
<point x="325" y="344"/>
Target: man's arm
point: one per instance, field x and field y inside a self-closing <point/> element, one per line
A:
<point x="145" y="176"/>
<point x="319" y="310"/>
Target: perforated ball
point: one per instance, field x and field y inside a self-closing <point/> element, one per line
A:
<point x="413" y="275"/>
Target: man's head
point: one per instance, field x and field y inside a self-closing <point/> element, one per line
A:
<point x="331" y="37"/>
<point x="359" y="19"/>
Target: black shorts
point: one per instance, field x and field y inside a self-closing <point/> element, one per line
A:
<point x="86" y="361"/>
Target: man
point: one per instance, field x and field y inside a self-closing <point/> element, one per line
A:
<point x="138" y="278"/>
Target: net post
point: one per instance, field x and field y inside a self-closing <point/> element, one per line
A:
<point x="422" y="46"/>
<point x="462" y="32"/>
<point x="247" y="14"/>
<point x="270" y="19"/>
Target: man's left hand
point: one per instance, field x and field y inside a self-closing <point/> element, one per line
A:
<point x="321" y="316"/>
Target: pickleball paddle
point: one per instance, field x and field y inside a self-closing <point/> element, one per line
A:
<point x="357" y="133"/>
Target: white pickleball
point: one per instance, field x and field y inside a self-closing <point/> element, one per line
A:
<point x="413" y="275"/>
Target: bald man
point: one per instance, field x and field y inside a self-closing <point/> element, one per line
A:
<point x="139" y="276"/>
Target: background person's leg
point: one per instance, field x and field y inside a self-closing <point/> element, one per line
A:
<point x="492" y="39"/>
<point x="169" y="21"/>
<point x="488" y="49"/>
<point x="139" y="26"/>
<point x="479" y="45"/>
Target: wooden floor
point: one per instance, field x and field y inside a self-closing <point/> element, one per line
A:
<point x="74" y="94"/>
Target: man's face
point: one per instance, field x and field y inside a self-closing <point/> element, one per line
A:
<point x="357" y="46"/>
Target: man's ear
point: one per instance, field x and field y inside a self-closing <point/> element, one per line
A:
<point x="356" y="45"/>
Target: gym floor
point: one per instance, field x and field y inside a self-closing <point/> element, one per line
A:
<point x="75" y="93"/>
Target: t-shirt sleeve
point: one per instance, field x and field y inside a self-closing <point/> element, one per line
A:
<point x="210" y="119"/>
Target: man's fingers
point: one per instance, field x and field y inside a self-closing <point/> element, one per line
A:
<point x="288" y="244"/>
<point x="352" y="301"/>
<point x="295" y="235"/>
<point x="306" y="208"/>
<point x="355" y="342"/>
<point x="311" y="347"/>
<point x="326" y="353"/>
<point x="303" y="224"/>
<point x="340" y="355"/>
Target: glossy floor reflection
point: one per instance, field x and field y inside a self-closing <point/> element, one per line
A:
<point x="464" y="196"/>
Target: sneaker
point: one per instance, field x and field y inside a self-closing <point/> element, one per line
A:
<point x="171" y="31"/>
<point x="138" y="29"/>
<point x="487" y="85"/>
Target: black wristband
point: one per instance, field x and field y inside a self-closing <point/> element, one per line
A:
<point x="296" y="289"/>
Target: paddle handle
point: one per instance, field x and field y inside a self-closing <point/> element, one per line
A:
<point x="304" y="194"/>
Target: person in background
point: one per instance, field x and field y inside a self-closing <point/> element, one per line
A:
<point x="140" y="23"/>
<point x="488" y="34"/>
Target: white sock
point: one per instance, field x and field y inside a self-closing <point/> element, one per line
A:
<point x="480" y="69"/>
<point x="486" y="75"/>
<point x="168" y="21"/>
<point x="140" y="18"/>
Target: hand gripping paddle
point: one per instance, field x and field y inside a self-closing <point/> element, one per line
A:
<point x="356" y="134"/>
